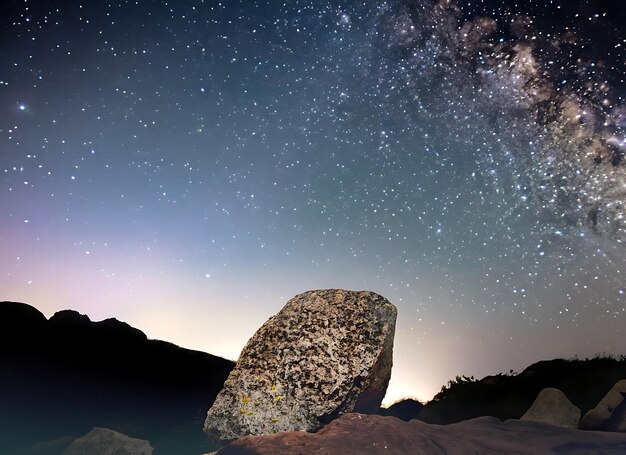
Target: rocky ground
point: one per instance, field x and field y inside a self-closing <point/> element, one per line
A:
<point x="372" y="434"/>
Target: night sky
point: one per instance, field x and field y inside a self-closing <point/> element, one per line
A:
<point x="188" y="166"/>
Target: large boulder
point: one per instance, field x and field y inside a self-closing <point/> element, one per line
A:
<point x="102" y="441"/>
<point x="326" y="353"/>
<point x="372" y="434"/>
<point x="609" y="414"/>
<point x="552" y="407"/>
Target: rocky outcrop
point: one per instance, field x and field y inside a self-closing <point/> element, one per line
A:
<point x="371" y="434"/>
<point x="327" y="352"/>
<point x="102" y="441"/>
<point x="552" y="407"/>
<point x="610" y="413"/>
<point x="509" y="396"/>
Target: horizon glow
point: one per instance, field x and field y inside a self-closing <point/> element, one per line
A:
<point x="189" y="168"/>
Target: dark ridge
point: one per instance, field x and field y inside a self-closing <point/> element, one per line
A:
<point x="70" y="318"/>
<point x="19" y="313"/>
<point x="405" y="410"/>
<point x="61" y="377"/>
<point x="18" y="323"/>
<point x="508" y="396"/>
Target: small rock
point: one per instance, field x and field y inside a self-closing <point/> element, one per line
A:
<point x="326" y="353"/>
<point x="552" y="407"/>
<point x="102" y="441"/>
<point x="609" y="414"/>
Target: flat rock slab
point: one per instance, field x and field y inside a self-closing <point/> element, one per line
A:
<point x="326" y="353"/>
<point x="102" y="441"/>
<point x="372" y="434"/>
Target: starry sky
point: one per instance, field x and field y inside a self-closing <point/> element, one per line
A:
<point x="188" y="166"/>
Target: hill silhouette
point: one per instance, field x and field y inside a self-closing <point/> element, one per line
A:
<point x="61" y="377"/>
<point x="508" y="396"/>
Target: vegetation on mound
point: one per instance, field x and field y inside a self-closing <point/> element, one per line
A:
<point x="508" y="396"/>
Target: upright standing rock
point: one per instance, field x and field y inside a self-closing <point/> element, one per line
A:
<point x="325" y="353"/>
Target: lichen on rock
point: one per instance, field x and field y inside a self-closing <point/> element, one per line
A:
<point x="327" y="352"/>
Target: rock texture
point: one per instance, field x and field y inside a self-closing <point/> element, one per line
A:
<point x="327" y="352"/>
<point x="609" y="413"/>
<point x="552" y="407"/>
<point x="102" y="441"/>
<point x="372" y="435"/>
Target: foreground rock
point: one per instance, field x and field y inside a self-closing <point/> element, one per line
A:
<point x="610" y="413"/>
<point x="325" y="353"/>
<point x="553" y="407"/>
<point x="102" y="441"/>
<point x="371" y="434"/>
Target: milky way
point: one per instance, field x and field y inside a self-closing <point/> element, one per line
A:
<point x="187" y="167"/>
